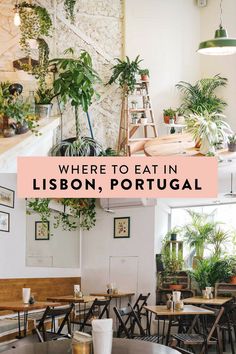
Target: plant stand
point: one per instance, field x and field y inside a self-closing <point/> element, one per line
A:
<point x="127" y="143"/>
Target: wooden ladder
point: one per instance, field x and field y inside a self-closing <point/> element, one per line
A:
<point x="127" y="143"/>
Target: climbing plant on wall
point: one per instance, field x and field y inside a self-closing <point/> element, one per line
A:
<point x="81" y="212"/>
<point x="69" y="6"/>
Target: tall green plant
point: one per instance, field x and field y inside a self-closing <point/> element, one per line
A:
<point x="124" y="72"/>
<point x="218" y="238"/>
<point x="198" y="231"/>
<point x="212" y="270"/>
<point x="210" y="129"/>
<point x="200" y="97"/>
<point x="76" y="82"/>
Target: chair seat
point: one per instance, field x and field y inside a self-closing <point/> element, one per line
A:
<point x="153" y="339"/>
<point x="190" y="338"/>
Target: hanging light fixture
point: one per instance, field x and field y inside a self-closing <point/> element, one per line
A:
<point x="221" y="44"/>
<point x="17" y="20"/>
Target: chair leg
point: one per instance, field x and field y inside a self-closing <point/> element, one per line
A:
<point x="219" y="341"/>
<point x="223" y="340"/>
<point x="231" y="341"/>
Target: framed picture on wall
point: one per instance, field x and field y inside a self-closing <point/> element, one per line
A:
<point x="42" y="230"/>
<point x="7" y="197"/>
<point x="4" y="221"/>
<point x="122" y="227"/>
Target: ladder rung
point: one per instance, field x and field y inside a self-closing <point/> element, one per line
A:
<point x="141" y="125"/>
<point x="140" y="139"/>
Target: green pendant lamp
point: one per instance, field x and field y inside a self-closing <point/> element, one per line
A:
<point x="221" y="44"/>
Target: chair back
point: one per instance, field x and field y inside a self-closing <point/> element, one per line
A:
<point x="140" y="303"/>
<point x="98" y="310"/>
<point x="127" y="319"/>
<point x="216" y="316"/>
<point x="53" y="313"/>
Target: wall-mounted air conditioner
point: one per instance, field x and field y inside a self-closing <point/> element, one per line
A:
<point x="126" y="203"/>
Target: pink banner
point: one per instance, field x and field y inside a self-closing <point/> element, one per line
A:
<point x="116" y="177"/>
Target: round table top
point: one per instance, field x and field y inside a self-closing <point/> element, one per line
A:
<point x="120" y="346"/>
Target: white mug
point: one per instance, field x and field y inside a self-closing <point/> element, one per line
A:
<point x="26" y="295"/>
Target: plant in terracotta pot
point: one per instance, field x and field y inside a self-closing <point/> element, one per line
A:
<point x="197" y="233"/>
<point x="75" y="84"/>
<point x="208" y="130"/>
<point x="175" y="284"/>
<point x="144" y="73"/>
<point x="168" y="115"/>
<point x="232" y="143"/>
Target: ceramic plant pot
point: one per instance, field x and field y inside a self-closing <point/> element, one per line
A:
<point x="232" y="147"/>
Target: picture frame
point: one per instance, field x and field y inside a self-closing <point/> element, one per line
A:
<point x="4" y="221"/>
<point x="42" y="230"/>
<point x="7" y="197"/>
<point x="122" y="227"/>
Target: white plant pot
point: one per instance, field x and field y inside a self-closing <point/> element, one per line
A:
<point x="206" y="147"/>
<point x="143" y="121"/>
<point x="180" y="120"/>
<point x="43" y="110"/>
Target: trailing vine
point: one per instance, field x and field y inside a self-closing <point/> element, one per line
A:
<point x="81" y="209"/>
<point x="69" y="6"/>
<point x="35" y="23"/>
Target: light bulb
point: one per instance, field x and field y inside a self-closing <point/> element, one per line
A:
<point x="17" y="20"/>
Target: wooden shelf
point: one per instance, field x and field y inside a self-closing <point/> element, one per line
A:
<point x="141" y="124"/>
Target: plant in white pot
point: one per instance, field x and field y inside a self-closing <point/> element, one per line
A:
<point x="208" y="130"/>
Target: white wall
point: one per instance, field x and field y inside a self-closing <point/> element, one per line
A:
<point x="166" y="34"/>
<point x="13" y="244"/>
<point x="98" y="245"/>
<point x="162" y="213"/>
<point x="224" y="65"/>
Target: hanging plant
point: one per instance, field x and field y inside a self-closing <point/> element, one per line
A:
<point x="69" y="6"/>
<point x="35" y="23"/>
<point x="82" y="209"/>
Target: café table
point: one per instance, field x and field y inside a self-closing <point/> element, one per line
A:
<point x="162" y="311"/>
<point x="199" y="300"/>
<point x="120" y="346"/>
<point x="119" y="296"/>
<point x="182" y="145"/>
<point x="19" y="307"/>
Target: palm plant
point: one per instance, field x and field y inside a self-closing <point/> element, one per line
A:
<point x="212" y="270"/>
<point x="125" y="73"/>
<point x="208" y="129"/>
<point x="217" y="238"/>
<point x="198" y="231"/>
<point x="201" y="96"/>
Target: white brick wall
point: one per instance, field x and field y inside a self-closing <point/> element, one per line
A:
<point x="98" y="29"/>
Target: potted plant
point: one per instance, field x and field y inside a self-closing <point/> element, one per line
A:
<point x="197" y="233"/>
<point x="43" y="99"/>
<point x="169" y="114"/>
<point x="210" y="271"/>
<point x="143" y="119"/>
<point x="180" y="116"/>
<point x="76" y="84"/>
<point x="175" y="284"/>
<point x="134" y="118"/>
<point x="124" y="72"/>
<point x="208" y="130"/>
<point x="218" y="238"/>
<point x="201" y="97"/>
<point x="20" y="117"/>
<point x="134" y="104"/>
<point x="144" y="74"/>
<point x="232" y="143"/>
